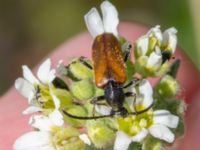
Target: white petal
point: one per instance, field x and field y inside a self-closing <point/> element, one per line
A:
<point x="85" y="139"/>
<point x="41" y="122"/>
<point x="28" y="75"/>
<point x="155" y="31"/>
<point x="104" y="110"/>
<point x="44" y="70"/>
<point x="110" y="17"/>
<point x="56" y="118"/>
<point x="25" y="88"/>
<point x="122" y="141"/>
<point x="33" y="140"/>
<point x="55" y="99"/>
<point x="154" y="60"/>
<point x="94" y="23"/>
<point x="32" y="109"/>
<point x="166" y="118"/>
<point x="162" y="132"/>
<point x="140" y="136"/>
<point x="147" y="92"/>
<point x="170" y="38"/>
<point x="143" y="44"/>
<point x="51" y="75"/>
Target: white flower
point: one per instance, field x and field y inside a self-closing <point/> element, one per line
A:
<point x="153" y="50"/>
<point x="157" y="122"/>
<point x="42" y="139"/>
<point x="33" y="109"/>
<point x="96" y="25"/>
<point x="28" y="86"/>
<point x="155" y="39"/>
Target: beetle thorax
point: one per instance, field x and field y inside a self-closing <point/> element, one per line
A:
<point x="114" y="95"/>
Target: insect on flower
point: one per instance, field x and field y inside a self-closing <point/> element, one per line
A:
<point x="108" y="62"/>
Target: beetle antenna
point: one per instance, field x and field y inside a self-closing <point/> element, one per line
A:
<point x="86" y="118"/>
<point x="105" y="116"/>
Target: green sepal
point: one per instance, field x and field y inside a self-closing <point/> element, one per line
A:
<point x="180" y="130"/>
<point x="77" y="111"/>
<point x="98" y="91"/>
<point x="135" y="146"/>
<point x="67" y="139"/>
<point x="64" y="96"/>
<point x="151" y="143"/>
<point x="59" y="83"/>
<point x="174" y="68"/>
<point x="92" y="147"/>
<point x="130" y="70"/>
<point x="83" y="90"/>
<point x="79" y="70"/>
<point x="101" y="133"/>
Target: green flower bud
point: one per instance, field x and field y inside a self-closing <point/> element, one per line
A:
<point x="98" y="91"/>
<point x="67" y="139"/>
<point x="100" y="133"/>
<point x="77" y="111"/>
<point x="64" y="96"/>
<point x="79" y="70"/>
<point x="83" y="90"/>
<point x="167" y="87"/>
<point x="151" y="143"/>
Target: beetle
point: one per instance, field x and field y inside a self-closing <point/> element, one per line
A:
<point x="108" y="62"/>
<point x="110" y="75"/>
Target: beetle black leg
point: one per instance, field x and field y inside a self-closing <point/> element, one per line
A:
<point x="131" y="94"/>
<point x="126" y="48"/>
<point x="134" y="82"/>
<point x="126" y="56"/>
<point x="95" y="101"/>
<point x="142" y="111"/>
<point x="82" y="60"/>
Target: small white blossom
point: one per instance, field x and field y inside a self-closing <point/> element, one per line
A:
<point x="42" y="139"/>
<point x="153" y="50"/>
<point x="157" y="122"/>
<point x="107" y="24"/>
<point x="164" y="41"/>
<point x="29" y="84"/>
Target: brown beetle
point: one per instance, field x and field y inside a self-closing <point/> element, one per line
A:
<point x="108" y="62"/>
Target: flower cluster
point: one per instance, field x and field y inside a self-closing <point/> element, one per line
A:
<point x="70" y="89"/>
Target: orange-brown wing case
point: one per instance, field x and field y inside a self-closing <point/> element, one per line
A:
<point x="108" y="60"/>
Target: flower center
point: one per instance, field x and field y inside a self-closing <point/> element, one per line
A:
<point x="44" y="97"/>
<point x="132" y="125"/>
